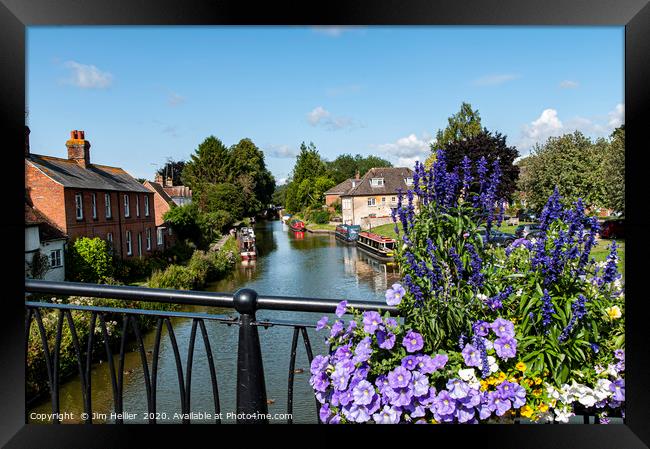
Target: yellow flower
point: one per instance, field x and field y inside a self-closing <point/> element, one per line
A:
<point x="521" y="366"/>
<point x="543" y="407"/>
<point x="529" y="382"/>
<point x="537" y="392"/>
<point x="526" y="411"/>
<point x="502" y="377"/>
<point x="613" y="312"/>
<point x="491" y="381"/>
<point x="484" y="385"/>
<point x="538" y="381"/>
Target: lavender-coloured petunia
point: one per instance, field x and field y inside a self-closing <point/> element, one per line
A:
<point x="319" y="364"/>
<point x="387" y="415"/>
<point x="399" y="377"/>
<point x="503" y="328"/>
<point x="420" y="384"/>
<point x="400" y="397"/>
<point x="337" y="328"/>
<point x="363" y="393"/>
<point x="481" y="328"/>
<point x="473" y="398"/>
<point x="363" y="351"/>
<point x="444" y="404"/>
<point x="320" y="382"/>
<point x="464" y="414"/>
<point x="395" y="294"/>
<point x="324" y="413"/>
<point x="618" y="387"/>
<point x="391" y="323"/>
<point x="506" y="390"/>
<point x="457" y="388"/>
<point x="471" y="355"/>
<point x="322" y="323"/>
<point x="371" y="321"/>
<point x="410" y="362"/>
<point x="413" y="341"/>
<point x="341" y="308"/>
<point x="519" y="396"/>
<point x="385" y="340"/>
<point x="496" y="404"/>
<point x="336" y="419"/>
<point x="426" y="364"/>
<point x="506" y="347"/>
<point x="440" y="360"/>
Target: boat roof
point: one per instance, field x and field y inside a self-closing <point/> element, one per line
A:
<point x="377" y="237"/>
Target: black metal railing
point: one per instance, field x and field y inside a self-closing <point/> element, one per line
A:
<point x="251" y="400"/>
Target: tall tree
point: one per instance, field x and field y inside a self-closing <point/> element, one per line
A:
<point x="309" y="164"/>
<point x="492" y="147"/>
<point x="366" y="163"/>
<point x="210" y="164"/>
<point x="571" y="162"/>
<point x="613" y="171"/>
<point x="172" y="169"/>
<point x="464" y="124"/>
<point x="345" y="166"/>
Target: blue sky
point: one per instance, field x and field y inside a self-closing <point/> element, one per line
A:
<point x="143" y="94"/>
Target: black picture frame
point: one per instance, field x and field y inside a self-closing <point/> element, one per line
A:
<point x="15" y="15"/>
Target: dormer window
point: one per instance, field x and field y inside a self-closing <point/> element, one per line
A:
<point x="377" y="182"/>
<point x="408" y="181"/>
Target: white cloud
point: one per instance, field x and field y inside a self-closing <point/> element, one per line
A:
<point x="320" y="116"/>
<point x="88" y="76"/>
<point x="568" y="84"/>
<point x="281" y="181"/>
<point x="281" y="151"/>
<point x="495" y="80"/>
<point x="548" y="124"/>
<point x="175" y="99"/>
<point x="617" y="116"/>
<point x="406" y="150"/>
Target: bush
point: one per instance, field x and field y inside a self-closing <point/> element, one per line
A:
<point x="89" y="260"/>
<point x="320" y="217"/>
<point x="175" y="277"/>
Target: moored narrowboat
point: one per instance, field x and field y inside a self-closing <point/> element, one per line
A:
<point x="378" y="246"/>
<point x="347" y="233"/>
<point x="297" y="225"/>
<point x="247" y="247"/>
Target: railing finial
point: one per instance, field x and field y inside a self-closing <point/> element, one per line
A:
<point x="245" y="300"/>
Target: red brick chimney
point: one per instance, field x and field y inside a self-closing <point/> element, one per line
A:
<point x="78" y="148"/>
<point x="356" y="175"/>
<point x="27" y="131"/>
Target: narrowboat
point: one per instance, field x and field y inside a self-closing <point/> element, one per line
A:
<point x="297" y="225"/>
<point x="347" y="233"/>
<point x="247" y="247"/>
<point x="378" y="246"/>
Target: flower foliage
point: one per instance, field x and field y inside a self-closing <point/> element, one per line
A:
<point x="484" y="333"/>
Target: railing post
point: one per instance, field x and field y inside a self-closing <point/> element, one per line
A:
<point x="251" y="389"/>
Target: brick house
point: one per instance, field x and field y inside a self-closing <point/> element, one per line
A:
<point x="371" y="201"/>
<point x="180" y="195"/>
<point x="162" y="203"/>
<point x="90" y="200"/>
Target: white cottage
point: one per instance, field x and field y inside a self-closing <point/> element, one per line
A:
<point x="44" y="239"/>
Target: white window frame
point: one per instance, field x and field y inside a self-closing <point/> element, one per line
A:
<point x="408" y="181"/>
<point x="372" y="202"/>
<point x="129" y="246"/>
<point x="107" y="205"/>
<point x="139" y="244"/>
<point x="347" y="203"/>
<point x="79" y="205"/>
<point x="127" y="208"/>
<point x="55" y="256"/>
<point x="148" y="239"/>
<point x="137" y="205"/>
<point x="146" y="205"/>
<point x="93" y="202"/>
<point x="377" y="182"/>
<point x="161" y="238"/>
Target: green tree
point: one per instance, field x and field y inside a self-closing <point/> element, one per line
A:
<point x="462" y="125"/>
<point x="492" y="147"/>
<point x="571" y="162"/>
<point x="345" y="166"/>
<point x="366" y="163"/>
<point x="210" y="164"/>
<point x="225" y="197"/>
<point x="183" y="220"/>
<point x="89" y="260"/>
<point x="309" y="164"/>
<point x="613" y="171"/>
<point x="251" y="175"/>
<point x="280" y="195"/>
<point x="172" y="169"/>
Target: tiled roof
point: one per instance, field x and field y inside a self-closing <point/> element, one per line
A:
<point x="70" y="174"/>
<point x="47" y="231"/>
<point x="342" y="188"/>
<point x="175" y="191"/>
<point x="393" y="180"/>
<point x="157" y="188"/>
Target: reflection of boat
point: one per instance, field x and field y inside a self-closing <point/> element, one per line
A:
<point x="299" y="235"/>
<point x="376" y="245"/>
<point x="297" y="225"/>
<point x="246" y="239"/>
<point x="347" y="233"/>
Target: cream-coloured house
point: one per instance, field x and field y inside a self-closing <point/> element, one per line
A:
<point x="370" y="202"/>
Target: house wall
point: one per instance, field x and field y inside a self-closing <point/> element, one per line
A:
<point x="361" y="211"/>
<point x="46" y="195"/>
<point x="331" y="199"/>
<point x="54" y="273"/>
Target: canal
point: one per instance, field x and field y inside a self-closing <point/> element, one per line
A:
<point x="289" y="264"/>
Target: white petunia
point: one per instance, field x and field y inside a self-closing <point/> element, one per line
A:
<point x="563" y="414"/>
<point x="492" y="363"/>
<point x="469" y="376"/>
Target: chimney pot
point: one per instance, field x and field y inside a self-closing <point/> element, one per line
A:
<point x="73" y="134"/>
<point x="81" y="135"/>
